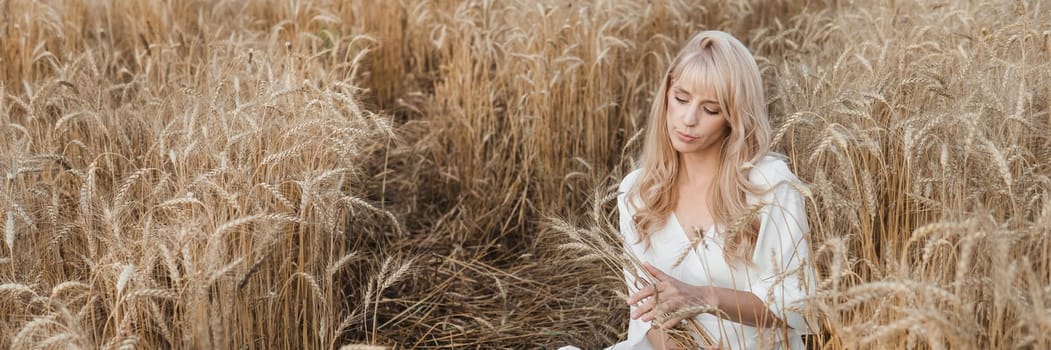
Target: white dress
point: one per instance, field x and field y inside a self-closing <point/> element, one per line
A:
<point x="781" y="275"/>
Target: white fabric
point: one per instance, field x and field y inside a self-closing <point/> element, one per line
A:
<point x="780" y="247"/>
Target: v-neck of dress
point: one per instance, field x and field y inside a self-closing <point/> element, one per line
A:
<point x="683" y="234"/>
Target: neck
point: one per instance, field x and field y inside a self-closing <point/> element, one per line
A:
<point x="699" y="168"/>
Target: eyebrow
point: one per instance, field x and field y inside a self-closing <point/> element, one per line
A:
<point x="678" y="89"/>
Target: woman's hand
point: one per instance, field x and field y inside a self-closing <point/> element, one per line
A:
<point x="670" y="295"/>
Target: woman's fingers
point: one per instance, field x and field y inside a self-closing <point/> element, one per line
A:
<point x="644" y="309"/>
<point x="643" y="293"/>
<point x="652" y="315"/>
<point x="640" y="295"/>
<point x="667" y="289"/>
<point x="672" y="293"/>
<point x="651" y="289"/>
<point x="671" y="322"/>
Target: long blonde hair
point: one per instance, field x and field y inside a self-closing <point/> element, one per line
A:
<point x="718" y="59"/>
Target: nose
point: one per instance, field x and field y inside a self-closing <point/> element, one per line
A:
<point x="691" y="116"/>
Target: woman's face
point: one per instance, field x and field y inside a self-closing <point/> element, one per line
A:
<point x="696" y="123"/>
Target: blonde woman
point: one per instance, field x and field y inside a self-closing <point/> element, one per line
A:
<point x="714" y="214"/>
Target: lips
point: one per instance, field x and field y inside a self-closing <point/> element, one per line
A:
<point x="684" y="137"/>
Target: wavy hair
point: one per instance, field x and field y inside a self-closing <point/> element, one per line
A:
<point x="723" y="63"/>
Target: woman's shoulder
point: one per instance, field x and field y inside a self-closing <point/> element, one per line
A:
<point x="772" y="170"/>
<point x="629" y="181"/>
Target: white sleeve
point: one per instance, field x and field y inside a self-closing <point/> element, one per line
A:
<point x="785" y="277"/>
<point x="637" y="329"/>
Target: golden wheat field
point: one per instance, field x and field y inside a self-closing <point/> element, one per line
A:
<point x="437" y="174"/>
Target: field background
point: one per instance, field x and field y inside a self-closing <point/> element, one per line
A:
<point x="418" y="174"/>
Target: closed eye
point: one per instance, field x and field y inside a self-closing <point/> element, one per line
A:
<point x="709" y="111"/>
<point x="681" y="100"/>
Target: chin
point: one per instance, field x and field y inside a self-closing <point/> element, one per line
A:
<point x="682" y="148"/>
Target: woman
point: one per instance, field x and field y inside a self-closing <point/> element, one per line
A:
<point x="712" y="213"/>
